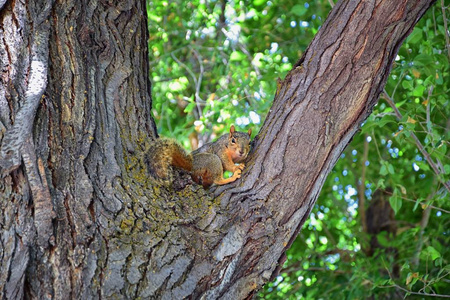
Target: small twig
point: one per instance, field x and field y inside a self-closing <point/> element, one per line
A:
<point x="185" y="67"/>
<point x="419" y="145"/>
<point x="430" y="91"/>
<point x="376" y="145"/>
<point x="398" y="83"/>
<point x="331" y="3"/>
<point x="434" y="20"/>
<point x="198" y="99"/>
<point x="196" y="81"/>
<point x="423" y="225"/>
<point x="447" y="42"/>
<point x="381" y="115"/>
<point x="329" y="235"/>
<point x="244" y="50"/>
<point x="415" y="293"/>
<point x="415" y="201"/>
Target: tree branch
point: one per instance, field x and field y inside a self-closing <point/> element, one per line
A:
<point x="419" y="145"/>
<point x="414" y="293"/>
<point x="415" y="201"/>
<point x="447" y="42"/>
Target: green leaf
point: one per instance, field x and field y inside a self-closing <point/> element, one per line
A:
<point x="415" y="36"/>
<point x="383" y="170"/>
<point x="189" y="107"/>
<point x="433" y="252"/>
<point x="447" y="169"/>
<point x="298" y="10"/>
<point x="439" y="79"/>
<point x="391" y="169"/>
<point x="385" y="120"/>
<point x="382" y="239"/>
<point x="418" y="91"/>
<point x="407" y="85"/>
<point x="423" y="60"/>
<point x="396" y="203"/>
<point x="237" y="56"/>
<point x="258" y="2"/>
<point x="438" y="262"/>
<point x="416" y="204"/>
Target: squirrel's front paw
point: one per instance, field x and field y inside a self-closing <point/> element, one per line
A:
<point x="237" y="174"/>
<point x="240" y="166"/>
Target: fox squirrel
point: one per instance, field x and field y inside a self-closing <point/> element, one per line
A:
<point x="206" y="164"/>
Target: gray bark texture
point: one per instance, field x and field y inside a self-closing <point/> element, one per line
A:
<point x="79" y="217"/>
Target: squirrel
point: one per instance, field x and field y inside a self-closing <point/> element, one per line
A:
<point x="206" y="164"/>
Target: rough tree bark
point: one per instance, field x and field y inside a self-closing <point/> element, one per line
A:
<point x="79" y="217"/>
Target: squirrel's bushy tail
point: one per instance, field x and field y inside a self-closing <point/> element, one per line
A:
<point x="163" y="154"/>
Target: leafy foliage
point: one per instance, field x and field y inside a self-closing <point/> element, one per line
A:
<point x="216" y="63"/>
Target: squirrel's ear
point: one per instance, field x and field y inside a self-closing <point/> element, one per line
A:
<point x="232" y="129"/>
<point x="250" y="132"/>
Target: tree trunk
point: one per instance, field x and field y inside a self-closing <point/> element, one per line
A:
<point x="79" y="216"/>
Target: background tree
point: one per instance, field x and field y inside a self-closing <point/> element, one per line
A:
<point x="78" y="208"/>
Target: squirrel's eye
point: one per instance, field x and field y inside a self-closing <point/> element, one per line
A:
<point x="233" y="141"/>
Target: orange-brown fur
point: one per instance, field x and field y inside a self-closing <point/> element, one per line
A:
<point x="207" y="163"/>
